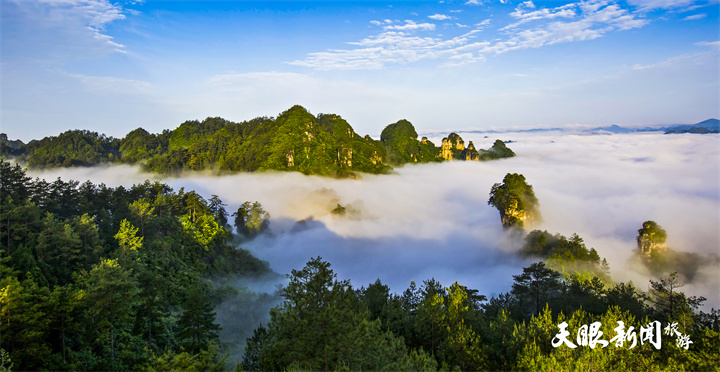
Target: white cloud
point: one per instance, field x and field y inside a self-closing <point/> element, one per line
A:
<point x="440" y="17"/>
<point x="695" y="17"/>
<point x="482" y="24"/>
<point x="521" y="12"/>
<point x="376" y="23"/>
<point x="411" y="26"/>
<point x="713" y="44"/>
<point x="527" y="4"/>
<point x="648" y="5"/>
<point x="97" y="13"/>
<point x="567" y="23"/>
<point x="474" y="2"/>
<point x="54" y="31"/>
<point x="111" y="84"/>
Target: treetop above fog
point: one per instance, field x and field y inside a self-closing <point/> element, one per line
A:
<point x="515" y="200"/>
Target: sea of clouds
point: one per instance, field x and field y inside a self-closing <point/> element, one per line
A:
<point x="433" y="221"/>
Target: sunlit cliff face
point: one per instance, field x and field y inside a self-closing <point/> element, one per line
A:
<point x="432" y="220"/>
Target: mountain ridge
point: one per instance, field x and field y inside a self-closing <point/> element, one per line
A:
<point x="296" y="140"/>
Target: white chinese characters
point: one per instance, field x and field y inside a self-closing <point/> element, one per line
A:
<point x="591" y="335"/>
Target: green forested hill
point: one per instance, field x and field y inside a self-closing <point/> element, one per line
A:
<point x="100" y="278"/>
<point x="294" y="141"/>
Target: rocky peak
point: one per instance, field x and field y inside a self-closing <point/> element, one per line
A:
<point x="456" y="141"/>
<point x="450" y="144"/>
<point x="516" y="202"/>
<point x="511" y="215"/>
<point x="470" y="153"/>
<point x="651" y="238"/>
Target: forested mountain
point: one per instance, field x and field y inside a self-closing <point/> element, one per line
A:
<point x="294" y="141"/>
<point x="100" y="278"/>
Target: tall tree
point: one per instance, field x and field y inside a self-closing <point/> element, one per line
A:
<point x="111" y="292"/>
<point x="144" y="210"/>
<point x="197" y="322"/>
<point x="217" y="209"/>
<point x="251" y="219"/>
<point x="128" y="240"/>
<point x="670" y="304"/>
<point x="24" y="310"/>
<point x="462" y="346"/>
<point x="537" y="283"/>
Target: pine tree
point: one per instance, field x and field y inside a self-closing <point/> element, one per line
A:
<point x="197" y="322"/>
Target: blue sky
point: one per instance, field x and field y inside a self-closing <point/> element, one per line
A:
<point x="443" y="65"/>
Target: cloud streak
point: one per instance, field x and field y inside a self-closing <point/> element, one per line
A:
<point x="400" y="44"/>
<point x="61" y="29"/>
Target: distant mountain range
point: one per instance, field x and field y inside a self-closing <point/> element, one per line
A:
<point x="703" y="127"/>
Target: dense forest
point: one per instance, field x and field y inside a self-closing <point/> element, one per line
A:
<point x="100" y="278"/>
<point x="294" y="141"/>
<point x="140" y="278"/>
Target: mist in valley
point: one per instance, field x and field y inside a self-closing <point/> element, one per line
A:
<point x="433" y="221"/>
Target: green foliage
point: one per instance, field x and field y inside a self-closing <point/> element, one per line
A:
<point x="127" y="239"/>
<point x="671" y="304"/>
<point x="25" y="326"/>
<point x="515" y="200"/>
<point x="320" y="325"/>
<point x="205" y="360"/>
<point x="498" y="151"/>
<point x="6" y="363"/>
<point x="197" y="322"/>
<point x="537" y="355"/>
<point x="400" y="140"/>
<point x="536" y="285"/>
<point x="653" y="232"/>
<point x="294" y="141"/>
<point x="568" y="256"/>
<point x="139" y="145"/>
<point x="662" y="261"/>
<point x="450" y="328"/>
<point x="98" y="278"/>
<point x="71" y="149"/>
<point x="251" y="219"/>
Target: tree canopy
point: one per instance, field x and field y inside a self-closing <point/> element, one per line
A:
<point x="293" y="141"/>
<point x="101" y="278"/>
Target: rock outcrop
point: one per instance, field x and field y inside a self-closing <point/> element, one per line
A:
<point x="345" y="156"/>
<point x="511" y="215"/>
<point x="470" y="153"/>
<point x="451" y="146"/>
<point x="516" y="202"/>
<point x="651" y="238"/>
<point x="290" y="155"/>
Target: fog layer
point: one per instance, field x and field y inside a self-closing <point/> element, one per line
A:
<point x="433" y="221"/>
